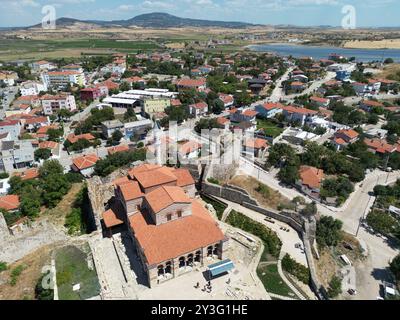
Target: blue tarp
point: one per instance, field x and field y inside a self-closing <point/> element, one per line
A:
<point x="220" y="267"/>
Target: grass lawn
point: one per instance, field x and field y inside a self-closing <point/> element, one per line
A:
<point x="72" y="268"/>
<point x="270" y="128"/>
<point x="272" y="281"/>
<point x="218" y="206"/>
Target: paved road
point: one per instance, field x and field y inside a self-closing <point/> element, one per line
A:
<point x="373" y="270"/>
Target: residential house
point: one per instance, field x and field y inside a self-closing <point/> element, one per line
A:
<point x="368" y="105"/>
<point x="137" y="128"/>
<point x="344" y="137"/>
<point x="10" y="202"/>
<point x="381" y="146"/>
<point x="73" y="138"/>
<point x="32" y="88"/>
<point x="93" y="93"/>
<point x="310" y="180"/>
<point x="197" y="84"/>
<point x="53" y="103"/>
<point x="13" y="127"/>
<point x="254" y="147"/>
<point x="8" y="78"/>
<point x="16" y="155"/>
<point x="360" y="88"/>
<point x="188" y="149"/>
<point x="42" y="65"/>
<point x="297" y="86"/>
<point x="110" y="126"/>
<point x="198" y="109"/>
<point x="300" y="115"/>
<point x="269" y="110"/>
<point x="227" y="100"/>
<point x="319" y="102"/>
<point x="85" y="164"/>
<point x="238" y="115"/>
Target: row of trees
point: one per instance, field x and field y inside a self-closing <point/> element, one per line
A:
<point x="47" y="190"/>
<point x="114" y="161"/>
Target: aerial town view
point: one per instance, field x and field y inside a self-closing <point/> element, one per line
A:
<point x="199" y="150"/>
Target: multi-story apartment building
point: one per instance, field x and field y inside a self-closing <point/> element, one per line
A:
<point x="53" y="103"/>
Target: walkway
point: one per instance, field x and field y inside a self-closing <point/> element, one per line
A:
<point x="289" y="239"/>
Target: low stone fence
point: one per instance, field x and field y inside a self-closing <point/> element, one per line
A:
<point x="240" y="196"/>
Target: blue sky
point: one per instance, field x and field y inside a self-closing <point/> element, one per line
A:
<point x="299" y="12"/>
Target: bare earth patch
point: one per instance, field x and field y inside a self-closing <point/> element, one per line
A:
<point x="26" y="282"/>
<point x="326" y="267"/>
<point x="270" y="198"/>
<point x="378" y="44"/>
<point x="57" y="215"/>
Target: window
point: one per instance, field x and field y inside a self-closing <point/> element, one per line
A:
<point x="169" y="217"/>
<point x="179" y="214"/>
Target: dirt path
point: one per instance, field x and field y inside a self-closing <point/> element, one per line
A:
<point x="57" y="215"/>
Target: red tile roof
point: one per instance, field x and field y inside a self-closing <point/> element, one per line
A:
<point x="86" y="161"/>
<point x="291" y="109"/>
<point x="48" y="145"/>
<point x="175" y="238"/>
<point x="116" y="149"/>
<point x="318" y="99"/>
<point x="9" y="202"/>
<point x="111" y="219"/>
<point x="256" y="143"/>
<point x="191" y="82"/>
<point x="74" y="138"/>
<point x="311" y="176"/>
<point x="130" y="190"/>
<point x="165" y="196"/>
<point x="28" y="174"/>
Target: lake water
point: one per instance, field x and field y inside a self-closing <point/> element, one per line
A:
<point x="321" y="52"/>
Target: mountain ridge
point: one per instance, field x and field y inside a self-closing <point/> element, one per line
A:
<point x="153" y="20"/>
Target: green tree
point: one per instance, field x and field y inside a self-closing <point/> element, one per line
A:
<point x="328" y="231"/>
<point x="395" y="267"/>
<point x="54" y="186"/>
<point x="130" y="115"/>
<point x="335" y="287"/>
<point x="42" y="153"/>
<point x="50" y="167"/>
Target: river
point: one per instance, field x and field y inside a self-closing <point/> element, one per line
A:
<point x="322" y="52"/>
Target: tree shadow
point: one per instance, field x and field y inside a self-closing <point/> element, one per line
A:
<point x="382" y="274"/>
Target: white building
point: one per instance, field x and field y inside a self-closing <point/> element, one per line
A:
<point x="32" y="88"/>
<point x="61" y="79"/>
<point x="53" y="103"/>
<point x="12" y="127"/>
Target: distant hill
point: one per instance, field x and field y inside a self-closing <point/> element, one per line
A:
<point x="153" y="20"/>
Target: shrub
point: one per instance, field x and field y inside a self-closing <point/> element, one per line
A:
<point x="270" y="239"/>
<point x="335" y="287"/>
<point x="4" y="175"/>
<point x="40" y="292"/>
<point x="15" y="273"/>
<point x="213" y="180"/>
<point x="298" y="270"/>
<point x="3" y="266"/>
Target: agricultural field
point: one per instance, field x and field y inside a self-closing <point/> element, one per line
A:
<point x="12" y="49"/>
